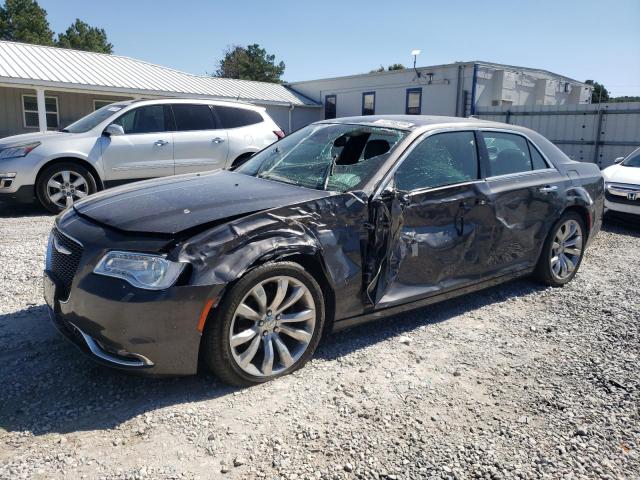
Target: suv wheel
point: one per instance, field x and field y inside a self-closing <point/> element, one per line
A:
<point x="60" y="185"/>
<point x="268" y="325"/>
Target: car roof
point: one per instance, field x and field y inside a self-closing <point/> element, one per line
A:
<point x="205" y="101"/>
<point x="416" y="122"/>
<point x="406" y="122"/>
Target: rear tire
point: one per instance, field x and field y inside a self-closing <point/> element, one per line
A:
<point x="562" y="251"/>
<point x="268" y="325"/>
<point x="59" y="186"/>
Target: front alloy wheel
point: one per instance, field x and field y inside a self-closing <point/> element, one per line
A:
<point x="268" y="324"/>
<point x="62" y="184"/>
<point x="272" y="326"/>
<point x="65" y="187"/>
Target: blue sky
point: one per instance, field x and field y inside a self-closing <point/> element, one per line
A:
<point x="580" y="39"/>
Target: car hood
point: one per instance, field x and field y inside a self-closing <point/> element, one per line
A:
<point x="35" y="137"/>
<point x="173" y="204"/>
<point x="622" y="174"/>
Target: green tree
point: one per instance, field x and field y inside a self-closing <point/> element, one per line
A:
<point x="24" y="21"/>
<point x="599" y="94"/>
<point x="625" y="98"/>
<point x="396" y="66"/>
<point x="81" y="36"/>
<point x="250" y="63"/>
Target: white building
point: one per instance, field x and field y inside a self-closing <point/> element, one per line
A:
<point x="458" y="89"/>
<point x="48" y="88"/>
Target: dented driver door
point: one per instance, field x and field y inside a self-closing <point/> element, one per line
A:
<point x="429" y="229"/>
<point x="433" y="245"/>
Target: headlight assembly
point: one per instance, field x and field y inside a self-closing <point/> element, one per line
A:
<point x="151" y="272"/>
<point x="17" y="150"/>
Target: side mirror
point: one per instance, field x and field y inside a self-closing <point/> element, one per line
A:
<point x="113" y="130"/>
<point x="618" y="160"/>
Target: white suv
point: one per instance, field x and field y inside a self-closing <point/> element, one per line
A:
<point x="128" y="141"/>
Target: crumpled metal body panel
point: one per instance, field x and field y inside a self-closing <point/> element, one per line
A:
<point x="445" y="239"/>
<point x="398" y="248"/>
<point x="330" y="229"/>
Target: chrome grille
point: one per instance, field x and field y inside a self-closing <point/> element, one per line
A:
<point x="63" y="260"/>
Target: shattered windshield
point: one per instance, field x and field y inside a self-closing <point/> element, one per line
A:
<point x="336" y="157"/>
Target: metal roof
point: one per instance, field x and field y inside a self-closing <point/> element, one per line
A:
<point x="64" y="68"/>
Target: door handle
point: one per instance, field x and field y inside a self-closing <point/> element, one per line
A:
<point x="548" y="189"/>
<point x="160" y="143"/>
<point x="218" y="140"/>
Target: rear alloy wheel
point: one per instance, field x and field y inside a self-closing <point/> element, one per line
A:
<point x="60" y="186"/>
<point x="270" y="324"/>
<point x="562" y="252"/>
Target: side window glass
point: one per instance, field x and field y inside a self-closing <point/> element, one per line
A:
<point x="441" y="159"/>
<point x="148" y="119"/>
<point x="508" y="153"/>
<point x="231" y="117"/>
<point x="538" y="162"/>
<point x="193" y="117"/>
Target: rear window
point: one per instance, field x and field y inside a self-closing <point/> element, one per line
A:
<point x="193" y="117"/>
<point x="231" y="117"/>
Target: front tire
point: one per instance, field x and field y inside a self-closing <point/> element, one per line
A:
<point x="268" y="325"/>
<point x="562" y="251"/>
<point x="60" y="185"/>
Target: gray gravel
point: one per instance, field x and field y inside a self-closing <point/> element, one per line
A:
<point x="518" y="381"/>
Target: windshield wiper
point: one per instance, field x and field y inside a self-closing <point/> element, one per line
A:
<point x="64" y="130"/>
<point x="329" y="172"/>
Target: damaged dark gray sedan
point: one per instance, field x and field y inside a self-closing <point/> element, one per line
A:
<point x="341" y="222"/>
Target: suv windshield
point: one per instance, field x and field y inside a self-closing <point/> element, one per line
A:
<point x="337" y="157"/>
<point x="633" y="160"/>
<point x="87" y="123"/>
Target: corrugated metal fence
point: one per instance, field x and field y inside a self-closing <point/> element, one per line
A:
<point x="596" y="133"/>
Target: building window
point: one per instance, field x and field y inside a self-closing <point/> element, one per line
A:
<point x="330" y="106"/>
<point x="30" y="111"/>
<point x="414" y="101"/>
<point x="368" y="103"/>
<point x="98" y="104"/>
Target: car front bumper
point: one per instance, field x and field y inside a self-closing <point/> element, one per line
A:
<point x="121" y="326"/>
<point x="622" y="207"/>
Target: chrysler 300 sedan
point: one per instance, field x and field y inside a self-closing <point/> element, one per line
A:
<point x="342" y="222"/>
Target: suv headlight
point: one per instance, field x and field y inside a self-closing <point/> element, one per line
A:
<point x="151" y="272"/>
<point x="17" y="150"/>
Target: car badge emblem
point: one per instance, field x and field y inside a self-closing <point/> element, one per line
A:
<point x="60" y="247"/>
<point x="632" y="196"/>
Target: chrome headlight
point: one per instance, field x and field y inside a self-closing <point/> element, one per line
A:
<point x="142" y="270"/>
<point x="17" y="150"/>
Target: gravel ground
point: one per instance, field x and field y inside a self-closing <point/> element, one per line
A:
<point x="517" y="381"/>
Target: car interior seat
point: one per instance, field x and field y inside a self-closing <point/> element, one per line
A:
<point x="375" y="148"/>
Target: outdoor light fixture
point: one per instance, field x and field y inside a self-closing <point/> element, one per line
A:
<point x="415" y="52"/>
